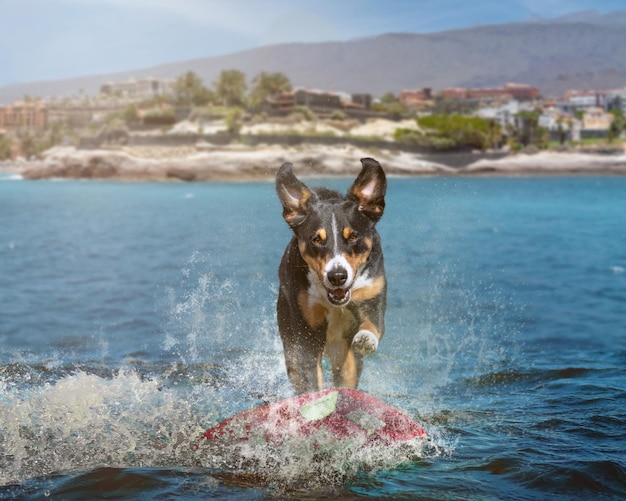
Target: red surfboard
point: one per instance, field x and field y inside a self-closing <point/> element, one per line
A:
<point x="342" y="412"/>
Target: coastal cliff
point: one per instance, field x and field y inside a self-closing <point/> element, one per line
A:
<point x="240" y="163"/>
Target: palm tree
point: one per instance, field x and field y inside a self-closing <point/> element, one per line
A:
<point x="230" y="87"/>
<point x="266" y="84"/>
<point x="187" y="86"/>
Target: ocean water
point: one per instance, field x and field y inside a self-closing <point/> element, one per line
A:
<point x="135" y="316"/>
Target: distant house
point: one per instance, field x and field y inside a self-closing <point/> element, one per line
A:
<point x="321" y="101"/>
<point x="363" y="100"/>
<point x="582" y="100"/>
<point x="504" y="114"/>
<point x="561" y="125"/>
<point x="455" y="93"/>
<point x="596" y="119"/>
<point x="317" y="99"/>
<point x="144" y="88"/>
<point x="416" y="99"/>
<point x="509" y="91"/>
<point x="24" y="115"/>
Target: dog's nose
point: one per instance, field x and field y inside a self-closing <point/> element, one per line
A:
<point x="337" y="276"/>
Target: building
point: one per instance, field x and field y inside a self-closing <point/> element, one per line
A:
<point x="363" y="100"/>
<point x="509" y="91"/>
<point x="455" y="93"/>
<point x="582" y="100"/>
<point x="416" y="99"/>
<point x="504" y="114"/>
<point x="24" y="115"/>
<point x="145" y="88"/>
<point x="320" y="101"/>
<point x="596" y="119"/>
<point x="317" y="99"/>
<point x="561" y="125"/>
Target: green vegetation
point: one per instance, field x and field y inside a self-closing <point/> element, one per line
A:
<point x="6" y="146"/>
<point x="159" y="116"/>
<point x="230" y="88"/>
<point x="391" y="105"/>
<point x="189" y="90"/>
<point x="450" y="132"/>
<point x="617" y="126"/>
<point x="265" y="85"/>
<point x="528" y="132"/>
<point x="448" y="106"/>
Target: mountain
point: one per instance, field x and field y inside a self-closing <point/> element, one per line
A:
<point x="582" y="50"/>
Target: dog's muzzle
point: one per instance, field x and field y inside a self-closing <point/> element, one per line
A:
<point x="338" y="295"/>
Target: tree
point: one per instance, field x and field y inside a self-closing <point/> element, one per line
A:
<point x="265" y="85"/>
<point x="617" y="125"/>
<point x="389" y="98"/>
<point x="447" y="105"/>
<point x="6" y="147"/>
<point x="528" y="131"/>
<point x="189" y="90"/>
<point x="232" y="119"/>
<point x="461" y="131"/>
<point x="561" y="130"/>
<point x="230" y="87"/>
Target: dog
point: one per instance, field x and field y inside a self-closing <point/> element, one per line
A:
<point x="332" y="285"/>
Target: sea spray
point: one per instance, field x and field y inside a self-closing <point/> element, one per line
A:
<point x="84" y="421"/>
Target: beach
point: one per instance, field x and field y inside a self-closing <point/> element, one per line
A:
<point x="205" y="162"/>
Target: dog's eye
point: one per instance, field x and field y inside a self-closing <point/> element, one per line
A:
<point x="317" y="240"/>
<point x="353" y="237"/>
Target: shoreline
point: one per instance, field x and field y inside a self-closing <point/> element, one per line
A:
<point x="240" y="163"/>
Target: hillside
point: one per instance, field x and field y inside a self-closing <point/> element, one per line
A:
<point x="578" y="51"/>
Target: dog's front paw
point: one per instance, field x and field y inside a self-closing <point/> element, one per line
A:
<point x="365" y="342"/>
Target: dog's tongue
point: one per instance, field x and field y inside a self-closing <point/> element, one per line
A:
<point x="338" y="294"/>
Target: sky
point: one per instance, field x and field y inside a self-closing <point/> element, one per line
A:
<point x="57" y="39"/>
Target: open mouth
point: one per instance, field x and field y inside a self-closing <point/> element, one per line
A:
<point x="339" y="296"/>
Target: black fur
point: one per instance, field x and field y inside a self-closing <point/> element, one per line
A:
<point x="332" y="293"/>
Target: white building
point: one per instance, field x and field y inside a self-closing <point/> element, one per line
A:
<point x="144" y="88"/>
<point x="583" y="100"/>
<point x="504" y="114"/>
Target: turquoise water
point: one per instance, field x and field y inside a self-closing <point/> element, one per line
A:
<point x="135" y="316"/>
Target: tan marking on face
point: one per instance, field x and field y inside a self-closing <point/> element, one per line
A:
<point x="346" y="233"/>
<point x="369" y="292"/>
<point x="314" y="314"/>
<point x="315" y="264"/>
<point x="357" y="261"/>
<point x="321" y="233"/>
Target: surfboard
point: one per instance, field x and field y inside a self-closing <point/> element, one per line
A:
<point x="341" y="412"/>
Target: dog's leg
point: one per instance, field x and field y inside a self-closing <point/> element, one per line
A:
<point x="302" y="348"/>
<point x="365" y="342"/>
<point x="304" y="369"/>
<point x="346" y="364"/>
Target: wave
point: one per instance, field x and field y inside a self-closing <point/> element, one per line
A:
<point x="11" y="177"/>
<point x="126" y="420"/>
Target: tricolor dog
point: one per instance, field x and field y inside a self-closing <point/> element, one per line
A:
<point x="332" y="293"/>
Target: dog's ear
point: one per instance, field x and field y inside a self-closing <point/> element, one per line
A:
<point x="369" y="189"/>
<point x="294" y="195"/>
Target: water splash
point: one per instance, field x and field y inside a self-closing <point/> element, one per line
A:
<point x="83" y="421"/>
<point x="223" y="362"/>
